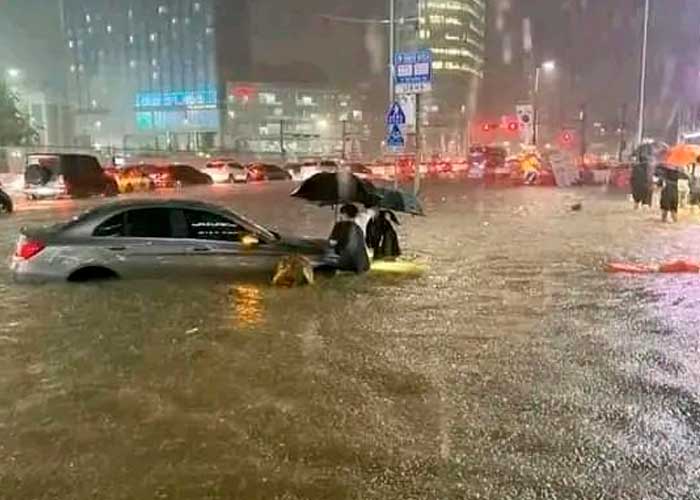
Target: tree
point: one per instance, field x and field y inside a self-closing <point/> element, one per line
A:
<point x="15" y="129"/>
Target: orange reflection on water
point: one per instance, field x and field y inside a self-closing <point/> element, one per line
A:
<point x="248" y="305"/>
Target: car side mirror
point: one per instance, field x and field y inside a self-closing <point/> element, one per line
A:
<point x="250" y="240"/>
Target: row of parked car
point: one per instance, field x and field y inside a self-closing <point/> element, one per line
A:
<point x="74" y="175"/>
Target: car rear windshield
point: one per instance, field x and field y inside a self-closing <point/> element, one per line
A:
<point x="38" y="174"/>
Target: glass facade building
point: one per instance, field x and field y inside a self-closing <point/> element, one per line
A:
<point x="455" y="32"/>
<point x="295" y="120"/>
<point x="152" y="72"/>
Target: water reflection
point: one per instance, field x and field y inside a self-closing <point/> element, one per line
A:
<point x="248" y="305"/>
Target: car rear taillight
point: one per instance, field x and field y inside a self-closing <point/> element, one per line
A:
<point x="26" y="248"/>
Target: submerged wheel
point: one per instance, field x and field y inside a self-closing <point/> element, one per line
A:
<point x="94" y="273"/>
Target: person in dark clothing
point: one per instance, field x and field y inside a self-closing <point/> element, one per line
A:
<point x="668" y="180"/>
<point x="641" y="184"/>
<point x="382" y="237"/>
<point x="694" y="186"/>
<point x="347" y="238"/>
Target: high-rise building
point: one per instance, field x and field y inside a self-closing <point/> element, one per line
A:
<point x="153" y="72"/>
<point x="33" y="66"/>
<point x="454" y="30"/>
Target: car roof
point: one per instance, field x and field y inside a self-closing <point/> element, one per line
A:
<point x="63" y="155"/>
<point x="107" y="210"/>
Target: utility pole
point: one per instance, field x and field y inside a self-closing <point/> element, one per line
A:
<point x="345" y="139"/>
<point x="622" y="131"/>
<point x="643" y="73"/>
<point x="283" y="150"/>
<point x="392" y="70"/>
<point x="584" y="146"/>
<point x="419" y="156"/>
<point x="392" y="48"/>
<point x="535" y="108"/>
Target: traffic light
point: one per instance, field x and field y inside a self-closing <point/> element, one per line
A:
<point x="486" y="127"/>
<point x="567" y="137"/>
<point x="513" y="126"/>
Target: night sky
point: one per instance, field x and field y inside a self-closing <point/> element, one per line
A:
<point x="595" y="43"/>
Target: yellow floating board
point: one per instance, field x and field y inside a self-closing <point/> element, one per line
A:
<point x="398" y="267"/>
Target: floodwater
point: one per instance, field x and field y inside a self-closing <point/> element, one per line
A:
<point x="514" y="368"/>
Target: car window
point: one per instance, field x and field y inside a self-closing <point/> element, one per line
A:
<point x="186" y="173"/>
<point x="210" y="226"/>
<point x="149" y="223"/>
<point x="111" y="228"/>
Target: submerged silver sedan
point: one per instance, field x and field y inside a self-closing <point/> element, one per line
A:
<point x="155" y="239"/>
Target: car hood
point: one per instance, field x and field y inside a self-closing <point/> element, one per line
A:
<point x="305" y="245"/>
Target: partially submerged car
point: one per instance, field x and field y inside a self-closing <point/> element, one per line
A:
<point x="226" y="171"/>
<point x="158" y="239"/>
<point x="66" y="175"/>
<point x="176" y="175"/>
<point x="132" y="178"/>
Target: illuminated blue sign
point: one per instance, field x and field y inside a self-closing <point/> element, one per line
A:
<point x="204" y="98"/>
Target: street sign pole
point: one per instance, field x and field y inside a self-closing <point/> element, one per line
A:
<point x="283" y="149"/>
<point x="413" y="74"/>
<point x="392" y="48"/>
<point x="345" y="138"/>
<point x="643" y="74"/>
<point x="416" y="177"/>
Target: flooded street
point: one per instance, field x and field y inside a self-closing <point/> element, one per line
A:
<point x="514" y="368"/>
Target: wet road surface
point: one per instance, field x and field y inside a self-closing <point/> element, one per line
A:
<point x="513" y="369"/>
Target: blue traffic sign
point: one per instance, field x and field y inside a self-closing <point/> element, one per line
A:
<point x="395" y="116"/>
<point x="395" y="138"/>
<point x="414" y="67"/>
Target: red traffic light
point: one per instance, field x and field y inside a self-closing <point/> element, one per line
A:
<point x="567" y="137"/>
<point x="513" y="126"/>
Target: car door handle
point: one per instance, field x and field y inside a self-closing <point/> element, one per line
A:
<point x="201" y="249"/>
<point x="117" y="249"/>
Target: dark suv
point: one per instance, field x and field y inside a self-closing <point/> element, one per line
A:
<point x="66" y="175"/>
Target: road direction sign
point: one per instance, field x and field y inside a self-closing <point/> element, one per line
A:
<point x="526" y="117"/>
<point x="395" y="115"/>
<point x="395" y="139"/>
<point x="414" y="71"/>
<point x="408" y="105"/>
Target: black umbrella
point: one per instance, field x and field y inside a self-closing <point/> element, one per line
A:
<point x="650" y="151"/>
<point x="327" y="188"/>
<point x="398" y="201"/>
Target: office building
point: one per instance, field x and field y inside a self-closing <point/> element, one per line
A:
<point x="295" y="120"/>
<point x="454" y="30"/>
<point x="151" y="73"/>
<point x="33" y="67"/>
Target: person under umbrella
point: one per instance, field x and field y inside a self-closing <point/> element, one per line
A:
<point x="668" y="181"/>
<point x="642" y="183"/>
<point x="382" y="237"/>
<point x="695" y="185"/>
<point x="347" y="239"/>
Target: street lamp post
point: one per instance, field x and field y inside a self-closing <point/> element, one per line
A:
<point x="392" y="48"/>
<point x="547" y="66"/>
<point x="643" y="73"/>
